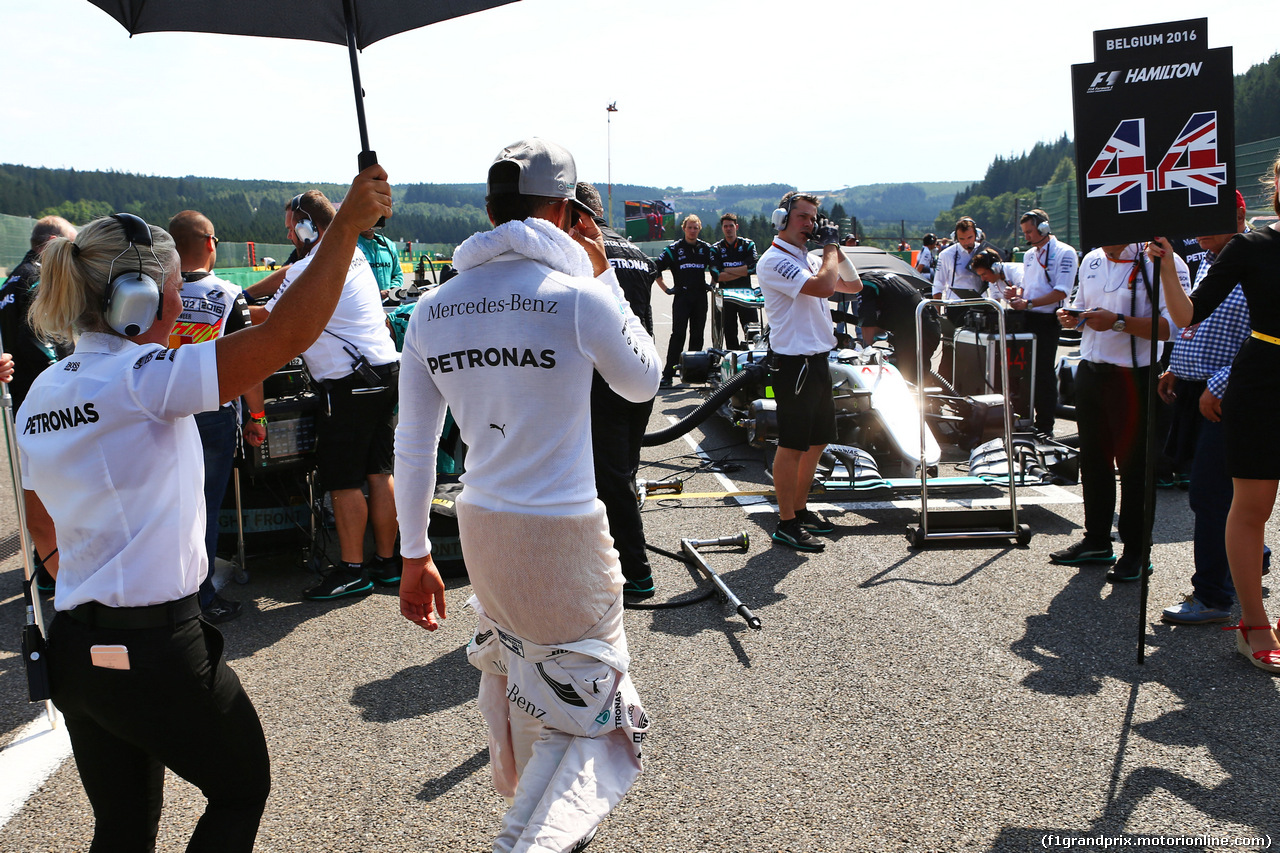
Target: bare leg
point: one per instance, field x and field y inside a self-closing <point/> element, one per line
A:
<point x="804" y="477"/>
<point x="1250" y="509"/>
<point x="350" y="515"/>
<point x="382" y="512"/>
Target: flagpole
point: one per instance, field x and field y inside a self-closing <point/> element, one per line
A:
<point x="609" y="111"/>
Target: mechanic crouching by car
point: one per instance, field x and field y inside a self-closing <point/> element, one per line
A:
<point x="800" y="338"/>
<point x="1112" y="306"/>
<point x="689" y="260"/>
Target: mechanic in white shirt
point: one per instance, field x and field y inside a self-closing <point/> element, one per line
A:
<point x="1113" y="306"/>
<point x="954" y="280"/>
<point x="796" y="290"/>
<point x="109" y="447"/>
<point x="357" y="367"/>
<point x="927" y="258"/>
<point x="1048" y="277"/>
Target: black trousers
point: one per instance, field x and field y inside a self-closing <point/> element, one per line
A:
<point x="1045" y="327"/>
<point x="1111" y="414"/>
<point x="688" y="312"/>
<point x="733" y="315"/>
<point x="617" y="428"/>
<point x="178" y="706"/>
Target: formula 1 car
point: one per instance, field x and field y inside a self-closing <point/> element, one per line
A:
<point x="881" y="441"/>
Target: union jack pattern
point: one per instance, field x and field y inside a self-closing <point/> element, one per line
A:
<point x="1120" y="170"/>
<point x="1192" y="163"/>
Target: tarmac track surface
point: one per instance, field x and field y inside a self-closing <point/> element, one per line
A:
<point x="972" y="697"/>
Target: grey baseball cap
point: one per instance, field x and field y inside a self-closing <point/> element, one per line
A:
<point x="546" y="169"/>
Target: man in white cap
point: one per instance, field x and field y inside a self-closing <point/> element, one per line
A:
<point x="509" y="346"/>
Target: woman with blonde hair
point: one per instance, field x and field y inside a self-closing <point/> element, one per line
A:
<point x="108" y="444"/>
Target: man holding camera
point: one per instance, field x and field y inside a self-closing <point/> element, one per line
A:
<point x="356" y="365"/>
<point x="795" y="291"/>
<point x="1112" y="306"/>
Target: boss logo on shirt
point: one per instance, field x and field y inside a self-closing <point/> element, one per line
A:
<point x="60" y="419"/>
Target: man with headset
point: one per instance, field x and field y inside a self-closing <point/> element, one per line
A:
<point x="795" y="291"/>
<point x="954" y="279"/>
<point x="356" y="365"/>
<point x="1112" y="307"/>
<point x="1048" y="277"/>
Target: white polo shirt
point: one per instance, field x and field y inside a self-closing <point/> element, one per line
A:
<point x="1113" y="285"/>
<point x="106" y="442"/>
<point x="1050" y="267"/>
<point x="952" y="273"/>
<point x="926" y="257"/>
<point x="799" y="324"/>
<point x="359" y="319"/>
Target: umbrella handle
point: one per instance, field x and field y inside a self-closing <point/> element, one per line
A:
<point x="366" y="159"/>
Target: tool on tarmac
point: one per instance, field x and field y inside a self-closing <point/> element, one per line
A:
<point x="644" y="488"/>
<point x="690" y="548"/>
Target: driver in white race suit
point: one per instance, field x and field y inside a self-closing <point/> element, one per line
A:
<point x="509" y="346"/>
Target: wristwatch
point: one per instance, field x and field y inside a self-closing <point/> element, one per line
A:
<point x="1118" y="325"/>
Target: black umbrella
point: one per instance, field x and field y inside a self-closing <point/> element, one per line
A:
<point x="355" y="23"/>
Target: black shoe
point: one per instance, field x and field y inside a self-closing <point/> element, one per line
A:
<point x="666" y="382"/>
<point x="44" y="581"/>
<point x="581" y="843"/>
<point x="220" y="610"/>
<point x="1126" y="570"/>
<point x="792" y="534"/>
<point x="813" y="522"/>
<point x="338" y="583"/>
<point x="638" y="589"/>
<point x="385" y="572"/>
<point x="1082" y="553"/>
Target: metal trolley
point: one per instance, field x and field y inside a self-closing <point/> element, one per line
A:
<point x="966" y="523"/>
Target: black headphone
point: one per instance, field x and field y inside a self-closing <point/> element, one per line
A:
<point x="783" y="213"/>
<point x="302" y="224"/>
<point x="132" y="300"/>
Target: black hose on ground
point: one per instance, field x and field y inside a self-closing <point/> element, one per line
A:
<point x="748" y="375"/>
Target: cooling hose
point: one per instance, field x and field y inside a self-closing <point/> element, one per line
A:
<point x="749" y="374"/>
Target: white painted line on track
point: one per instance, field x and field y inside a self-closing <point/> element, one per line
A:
<point x="1027" y="496"/>
<point x="28" y="761"/>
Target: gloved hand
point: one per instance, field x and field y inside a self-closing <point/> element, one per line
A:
<point x="827" y="233"/>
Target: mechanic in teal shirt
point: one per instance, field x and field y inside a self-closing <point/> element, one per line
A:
<point x="383" y="259"/>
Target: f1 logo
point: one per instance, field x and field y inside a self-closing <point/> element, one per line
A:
<point x="1110" y="78"/>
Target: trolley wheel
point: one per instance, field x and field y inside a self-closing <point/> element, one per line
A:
<point x="1024" y="534"/>
<point x="915" y="535"/>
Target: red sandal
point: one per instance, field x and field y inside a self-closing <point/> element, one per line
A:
<point x="1267" y="659"/>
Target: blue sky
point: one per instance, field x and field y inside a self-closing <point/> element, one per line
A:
<point x="840" y="93"/>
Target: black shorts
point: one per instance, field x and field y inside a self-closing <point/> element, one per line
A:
<point x="806" y="407"/>
<point x="354" y="436"/>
